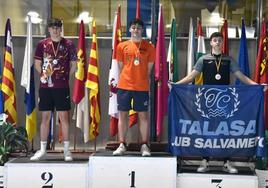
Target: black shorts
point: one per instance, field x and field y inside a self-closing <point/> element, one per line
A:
<point x="50" y="98"/>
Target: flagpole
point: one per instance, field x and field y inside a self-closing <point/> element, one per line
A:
<point x="75" y="131"/>
<point x="152" y="83"/>
<point x="95" y="145"/>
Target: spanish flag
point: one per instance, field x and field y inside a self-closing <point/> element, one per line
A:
<point x="92" y="83"/>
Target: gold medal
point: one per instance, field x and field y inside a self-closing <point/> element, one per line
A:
<point x="217" y="76"/>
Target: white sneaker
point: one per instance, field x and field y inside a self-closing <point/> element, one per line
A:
<point x="120" y="150"/>
<point x="38" y="155"/>
<point x="227" y="167"/>
<point x="203" y="166"/>
<point x="68" y="156"/>
<point x="145" y="151"/>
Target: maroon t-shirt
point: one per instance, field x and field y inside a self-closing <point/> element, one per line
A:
<point x="56" y="58"/>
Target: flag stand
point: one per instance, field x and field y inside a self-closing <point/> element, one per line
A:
<point x="95" y="145"/>
<point x="32" y="149"/>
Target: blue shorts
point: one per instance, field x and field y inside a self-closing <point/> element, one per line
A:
<point x="140" y="100"/>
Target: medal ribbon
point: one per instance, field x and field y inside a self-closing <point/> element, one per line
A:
<point x="137" y="52"/>
<point x="55" y="52"/>
<point x="218" y="64"/>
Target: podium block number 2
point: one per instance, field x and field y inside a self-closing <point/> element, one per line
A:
<point x="47" y="177"/>
<point x="132" y="179"/>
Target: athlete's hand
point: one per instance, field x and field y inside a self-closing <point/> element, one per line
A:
<point x="170" y="84"/>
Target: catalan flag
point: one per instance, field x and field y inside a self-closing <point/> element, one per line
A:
<point x="8" y="82"/>
<point x="1" y="93"/>
<point x="27" y="81"/>
<point x="92" y="83"/>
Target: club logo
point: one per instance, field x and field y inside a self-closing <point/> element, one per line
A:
<point x="217" y="102"/>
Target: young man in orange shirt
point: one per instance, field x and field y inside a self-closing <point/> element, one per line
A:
<point x="135" y="60"/>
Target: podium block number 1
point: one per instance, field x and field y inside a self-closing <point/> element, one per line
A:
<point x="132" y="179"/>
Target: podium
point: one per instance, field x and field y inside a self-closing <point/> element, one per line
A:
<point x="46" y="174"/>
<point x="193" y="180"/>
<point x="132" y="170"/>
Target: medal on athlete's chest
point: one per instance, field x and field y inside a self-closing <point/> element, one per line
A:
<point x="137" y="53"/>
<point x="136" y="61"/>
<point x="55" y="61"/>
<point x="218" y="65"/>
<point x="217" y="76"/>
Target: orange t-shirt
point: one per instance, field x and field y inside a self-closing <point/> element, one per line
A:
<point x="134" y="75"/>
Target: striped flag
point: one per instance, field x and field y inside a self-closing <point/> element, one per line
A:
<point x="190" y="52"/>
<point x="201" y="49"/>
<point x="243" y="54"/>
<point x="93" y="84"/>
<point x="261" y="69"/>
<point x="8" y="81"/>
<point x="82" y="116"/>
<point x="172" y="54"/>
<point x="27" y="81"/>
<point x="161" y="75"/>
<point x="224" y="31"/>
<point x="114" y="74"/>
<point x="1" y="93"/>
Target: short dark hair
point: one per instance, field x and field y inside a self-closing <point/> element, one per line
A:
<point x="54" y="22"/>
<point x="215" y="34"/>
<point x="136" y="21"/>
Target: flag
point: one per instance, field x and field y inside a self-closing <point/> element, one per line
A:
<point x="200" y="126"/>
<point x="93" y="84"/>
<point x="1" y="93"/>
<point x="172" y="54"/>
<point x="82" y="109"/>
<point x="190" y="52"/>
<point x="80" y="74"/>
<point x="261" y="69"/>
<point x="114" y="75"/>
<point x="8" y="81"/>
<point x="27" y="81"/>
<point x="224" y="31"/>
<point x="201" y="49"/>
<point x="138" y="9"/>
<point x="243" y="54"/>
<point x="161" y="75"/>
